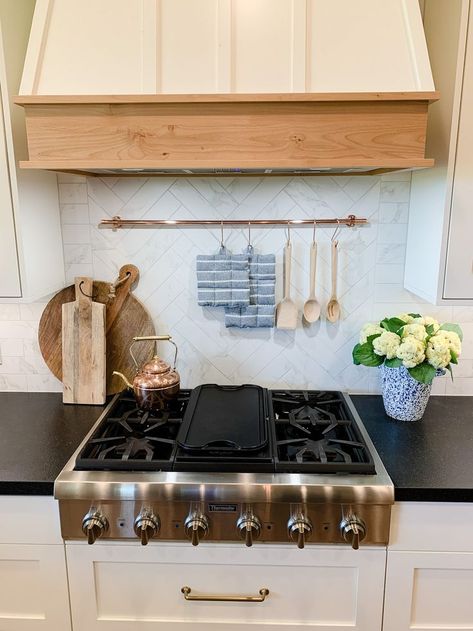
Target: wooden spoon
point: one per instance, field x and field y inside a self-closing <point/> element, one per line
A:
<point x="333" y="307"/>
<point x="286" y="312"/>
<point x="311" y="305"/>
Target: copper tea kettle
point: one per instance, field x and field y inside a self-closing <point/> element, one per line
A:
<point x="156" y="382"/>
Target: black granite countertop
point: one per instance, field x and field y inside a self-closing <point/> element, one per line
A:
<point x="38" y="435"/>
<point x="430" y="460"/>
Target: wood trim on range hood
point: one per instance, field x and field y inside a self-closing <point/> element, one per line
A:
<point x="222" y="134"/>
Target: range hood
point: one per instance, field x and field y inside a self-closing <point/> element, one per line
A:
<point x="228" y="134"/>
<point x="251" y="87"/>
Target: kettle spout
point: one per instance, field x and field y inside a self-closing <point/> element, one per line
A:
<point x="125" y="380"/>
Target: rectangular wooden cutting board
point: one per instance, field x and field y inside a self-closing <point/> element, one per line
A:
<point x="83" y="347"/>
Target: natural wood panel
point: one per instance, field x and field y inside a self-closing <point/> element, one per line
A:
<point x="228" y="135"/>
<point x="226" y="98"/>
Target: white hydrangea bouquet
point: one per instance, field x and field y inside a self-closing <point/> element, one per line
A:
<point x="419" y="343"/>
<point x="419" y="348"/>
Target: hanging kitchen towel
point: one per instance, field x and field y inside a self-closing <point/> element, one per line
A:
<point x="223" y="279"/>
<point x="261" y="310"/>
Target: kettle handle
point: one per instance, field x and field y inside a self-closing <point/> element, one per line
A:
<point x="154" y="338"/>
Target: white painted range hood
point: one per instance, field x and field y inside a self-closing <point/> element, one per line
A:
<point x="226" y="86"/>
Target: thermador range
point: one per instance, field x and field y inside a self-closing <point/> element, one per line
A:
<point x="228" y="463"/>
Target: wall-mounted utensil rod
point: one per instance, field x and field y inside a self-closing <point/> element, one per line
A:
<point x="117" y="222"/>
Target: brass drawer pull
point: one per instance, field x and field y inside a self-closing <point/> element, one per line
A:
<point x="233" y="599"/>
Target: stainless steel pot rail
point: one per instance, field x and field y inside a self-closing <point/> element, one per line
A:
<point x="117" y="222"/>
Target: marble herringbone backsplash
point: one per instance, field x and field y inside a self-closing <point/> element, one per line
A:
<point x="319" y="356"/>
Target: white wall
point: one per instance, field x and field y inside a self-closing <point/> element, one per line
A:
<point x="371" y="273"/>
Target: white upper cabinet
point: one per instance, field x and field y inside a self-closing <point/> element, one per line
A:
<point x="10" y="285"/>
<point x="439" y="259"/>
<point x="31" y="256"/>
<point x="459" y="262"/>
<point x="205" y="46"/>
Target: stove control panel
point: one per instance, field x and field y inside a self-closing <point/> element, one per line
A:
<point x="301" y="524"/>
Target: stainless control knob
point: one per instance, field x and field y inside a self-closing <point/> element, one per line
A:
<point x="299" y="528"/>
<point x="146" y="526"/>
<point x="197" y="526"/>
<point x="353" y="530"/>
<point x="249" y="527"/>
<point x="94" y="525"/>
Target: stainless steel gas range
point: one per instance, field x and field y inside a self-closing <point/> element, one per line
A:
<point x="228" y="463"/>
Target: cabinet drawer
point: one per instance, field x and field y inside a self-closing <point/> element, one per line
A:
<point x="28" y="519"/>
<point x="431" y="526"/>
<point x="116" y="586"/>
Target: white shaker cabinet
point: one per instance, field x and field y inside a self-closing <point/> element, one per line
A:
<point x="127" y="586"/>
<point x="33" y="577"/>
<point x="31" y="256"/>
<point x="429" y="577"/>
<point x="439" y="258"/>
<point x="10" y="285"/>
<point x="429" y="590"/>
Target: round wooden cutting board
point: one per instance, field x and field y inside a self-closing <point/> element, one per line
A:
<point x="126" y="317"/>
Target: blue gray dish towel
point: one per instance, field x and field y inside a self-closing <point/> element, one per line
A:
<point x="223" y="279"/>
<point x="261" y="310"/>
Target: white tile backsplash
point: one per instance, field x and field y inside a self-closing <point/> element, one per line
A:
<point x="319" y="356"/>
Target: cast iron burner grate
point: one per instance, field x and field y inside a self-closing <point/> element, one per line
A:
<point x="133" y="439"/>
<point x="316" y="433"/>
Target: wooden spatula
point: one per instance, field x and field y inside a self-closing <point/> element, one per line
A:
<point x="286" y="312"/>
<point x="83" y="347"/>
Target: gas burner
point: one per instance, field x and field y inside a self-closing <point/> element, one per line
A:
<point x="133" y="439"/>
<point x="315" y="432"/>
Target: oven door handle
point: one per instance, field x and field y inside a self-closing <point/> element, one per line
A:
<point x="263" y="593"/>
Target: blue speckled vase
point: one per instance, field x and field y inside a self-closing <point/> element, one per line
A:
<point x="405" y="398"/>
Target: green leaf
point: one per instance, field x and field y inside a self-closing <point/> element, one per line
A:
<point x="393" y="363"/>
<point x="392" y="324"/>
<point x="430" y="329"/>
<point x="415" y="315"/>
<point x="364" y="354"/>
<point x="354" y="355"/>
<point x="452" y="327"/>
<point x="370" y="338"/>
<point x="424" y="373"/>
<point x="450" y="370"/>
<point x="453" y="357"/>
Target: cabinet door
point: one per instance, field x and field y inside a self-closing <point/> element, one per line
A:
<point x="459" y="266"/>
<point x="429" y="590"/>
<point x="33" y="588"/>
<point x="126" y="586"/>
<point x="9" y="269"/>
